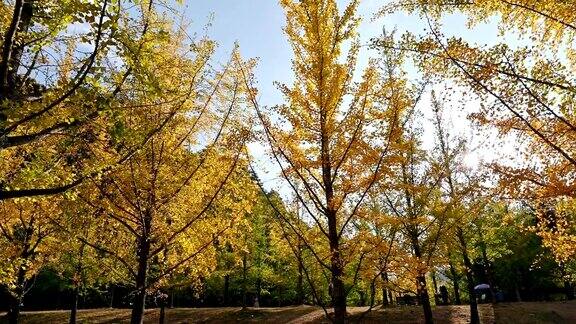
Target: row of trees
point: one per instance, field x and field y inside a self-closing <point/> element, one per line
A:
<point x="119" y="115"/>
<point x="124" y="158"/>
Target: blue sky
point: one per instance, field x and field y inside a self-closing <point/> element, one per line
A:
<point x="257" y="26"/>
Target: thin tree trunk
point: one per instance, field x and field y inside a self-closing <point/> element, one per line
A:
<point x="244" y="270"/>
<point x="424" y="298"/>
<point x="258" y="289"/>
<point x="568" y="287"/>
<point x="517" y="283"/>
<point x="421" y="285"/>
<point x="300" y="283"/>
<point x="487" y="268"/>
<point x="18" y="296"/>
<point x="74" y="306"/>
<point x="300" y="248"/>
<point x="434" y="283"/>
<point x="372" y="293"/>
<point x="517" y="292"/>
<point x="455" y="284"/>
<point x="14" y="310"/>
<point x="112" y="290"/>
<point x="162" y="318"/>
<point x="77" y="282"/>
<point x="226" y="289"/>
<point x="338" y="293"/>
<point x="435" y="286"/>
<point x="141" y="280"/>
<point x="280" y="296"/>
<point x="474" y="317"/>
<point x="16" y="299"/>
<point x="385" y="301"/>
<point x="12" y="51"/>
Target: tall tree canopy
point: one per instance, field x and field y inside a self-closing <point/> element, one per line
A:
<point x="334" y="136"/>
<point x="126" y="178"/>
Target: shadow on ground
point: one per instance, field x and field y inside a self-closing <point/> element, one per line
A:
<point x="518" y="313"/>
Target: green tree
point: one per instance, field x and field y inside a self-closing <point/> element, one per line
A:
<point x="58" y="104"/>
<point x="27" y="243"/>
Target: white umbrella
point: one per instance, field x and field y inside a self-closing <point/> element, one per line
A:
<point x="482" y="286"/>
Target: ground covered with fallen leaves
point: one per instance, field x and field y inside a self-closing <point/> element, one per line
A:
<point x="517" y="313"/>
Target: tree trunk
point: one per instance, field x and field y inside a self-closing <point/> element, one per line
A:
<point x="474" y="317"/>
<point x="17" y="297"/>
<point x="338" y="296"/>
<point x="12" y="51"/>
<point x="74" y="306"/>
<point x="258" y="291"/>
<point x="226" y="289"/>
<point x="569" y="290"/>
<point x="300" y="283"/>
<point x="385" y="301"/>
<point x="112" y="290"/>
<point x="338" y="293"/>
<point x="141" y="281"/>
<point x="487" y="268"/>
<point x="517" y="292"/>
<point x="77" y="280"/>
<point x="162" y="318"/>
<point x="435" y="286"/>
<point x="434" y="283"/>
<point x="244" y="272"/>
<point x="422" y="290"/>
<point x="455" y="284"/>
<point x="14" y="310"/>
<point x="421" y="286"/>
<point x="568" y="287"/>
<point x="280" y="296"/>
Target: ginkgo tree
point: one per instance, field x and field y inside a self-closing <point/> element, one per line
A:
<point x="335" y="134"/>
<point x="81" y="267"/>
<point x="27" y="242"/>
<point x="383" y="263"/>
<point x="412" y="196"/>
<point x="262" y="263"/>
<point x="63" y="69"/>
<point x="527" y="91"/>
<point x="85" y="268"/>
<point x="166" y="202"/>
<point x="461" y="189"/>
<point x="556" y="226"/>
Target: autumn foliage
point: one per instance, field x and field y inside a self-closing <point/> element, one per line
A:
<point x="127" y="171"/>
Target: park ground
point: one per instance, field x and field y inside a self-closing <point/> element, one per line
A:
<point x="516" y="313"/>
